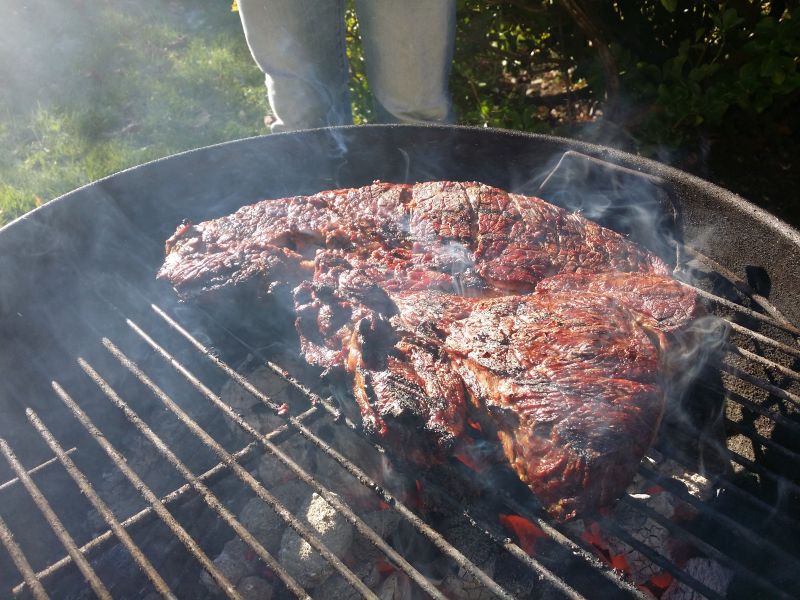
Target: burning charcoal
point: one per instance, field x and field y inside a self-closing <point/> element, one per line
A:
<point x="254" y="588"/>
<point x="264" y="523"/>
<point x="516" y="579"/>
<point x="272" y="471"/>
<point x="397" y="586"/>
<point x="335" y="478"/>
<point x="662" y="502"/>
<point x="252" y="409"/>
<point x="337" y="588"/>
<point x="647" y="531"/>
<point x="705" y="570"/>
<point x="382" y="522"/>
<point x="304" y="563"/>
<point x="360" y="451"/>
<point x="699" y="486"/>
<point x="234" y="562"/>
<point x="458" y="583"/>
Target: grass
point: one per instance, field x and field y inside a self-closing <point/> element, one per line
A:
<point x="93" y="88"/>
<point x="88" y="88"/>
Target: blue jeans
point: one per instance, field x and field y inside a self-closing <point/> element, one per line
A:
<point x="300" y="46"/>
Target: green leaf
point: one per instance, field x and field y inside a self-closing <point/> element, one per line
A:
<point x="730" y="19"/>
<point x="670" y="5"/>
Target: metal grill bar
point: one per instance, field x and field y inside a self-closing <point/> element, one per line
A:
<point x="11" y="482"/>
<point x="524" y="558"/>
<point x="753" y="334"/>
<point x="170" y="521"/>
<point x="754" y="436"/>
<point x="332" y="499"/>
<point x="227" y="458"/>
<point x="420" y="525"/>
<point x="744" y="310"/>
<point x="675" y="489"/>
<point x="575" y="545"/>
<point x="108" y="516"/>
<point x="744" y="353"/>
<point x="208" y="496"/>
<point x="434" y="536"/>
<point x="739" y="283"/>
<point x="764" y="385"/>
<point x="666" y="564"/>
<point x="793" y="351"/>
<point x="702" y="545"/>
<point x="757" y="408"/>
<point x="21" y="562"/>
<point x="55" y="523"/>
<point x="180" y="493"/>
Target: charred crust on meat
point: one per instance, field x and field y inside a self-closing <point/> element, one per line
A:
<point x="443" y="302"/>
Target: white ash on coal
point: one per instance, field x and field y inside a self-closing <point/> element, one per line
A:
<point x="398" y="586"/>
<point x="358" y="450"/>
<point x="251" y="408"/>
<point x="237" y="560"/>
<point x="458" y="583"/>
<point x="254" y="588"/>
<point x="636" y="566"/>
<point x="234" y="562"/>
<point x="337" y="588"/>
<point x="304" y="563"/>
<point x="382" y="522"/>
<point x="263" y="522"/>
<point x="710" y="572"/>
<point x="700" y="486"/>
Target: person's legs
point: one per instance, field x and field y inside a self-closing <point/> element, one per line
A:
<point x="300" y="46"/>
<point x="408" y="48"/>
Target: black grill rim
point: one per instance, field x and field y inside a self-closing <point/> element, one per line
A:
<point x="22" y="239"/>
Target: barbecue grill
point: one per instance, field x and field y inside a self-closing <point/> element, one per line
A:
<point x="125" y="468"/>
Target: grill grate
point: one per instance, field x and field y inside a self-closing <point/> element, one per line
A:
<point x="195" y="485"/>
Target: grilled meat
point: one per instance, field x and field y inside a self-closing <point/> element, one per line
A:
<point x="442" y="301"/>
<point x="570" y="387"/>
<point x="443" y="235"/>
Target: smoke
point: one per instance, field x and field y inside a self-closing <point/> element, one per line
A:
<point x="638" y="205"/>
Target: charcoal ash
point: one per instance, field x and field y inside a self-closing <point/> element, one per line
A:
<point x="254" y="588"/>
<point x="336" y="587"/>
<point x="398" y="586"/>
<point x="234" y="562"/>
<point x="304" y="563"/>
<point x="458" y="583"/>
<point x="237" y="560"/>
<point x="710" y="572"/>
<point x="377" y="465"/>
<point x="382" y="522"/>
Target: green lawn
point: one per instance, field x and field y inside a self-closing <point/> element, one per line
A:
<point x="90" y="88"/>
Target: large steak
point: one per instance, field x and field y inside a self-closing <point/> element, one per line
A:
<point x="443" y="301"/>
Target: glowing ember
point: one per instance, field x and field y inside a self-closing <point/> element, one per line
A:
<point x="384" y="567"/>
<point x="527" y="533"/>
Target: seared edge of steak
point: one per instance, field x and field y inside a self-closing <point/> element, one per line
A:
<point x="403" y="289"/>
